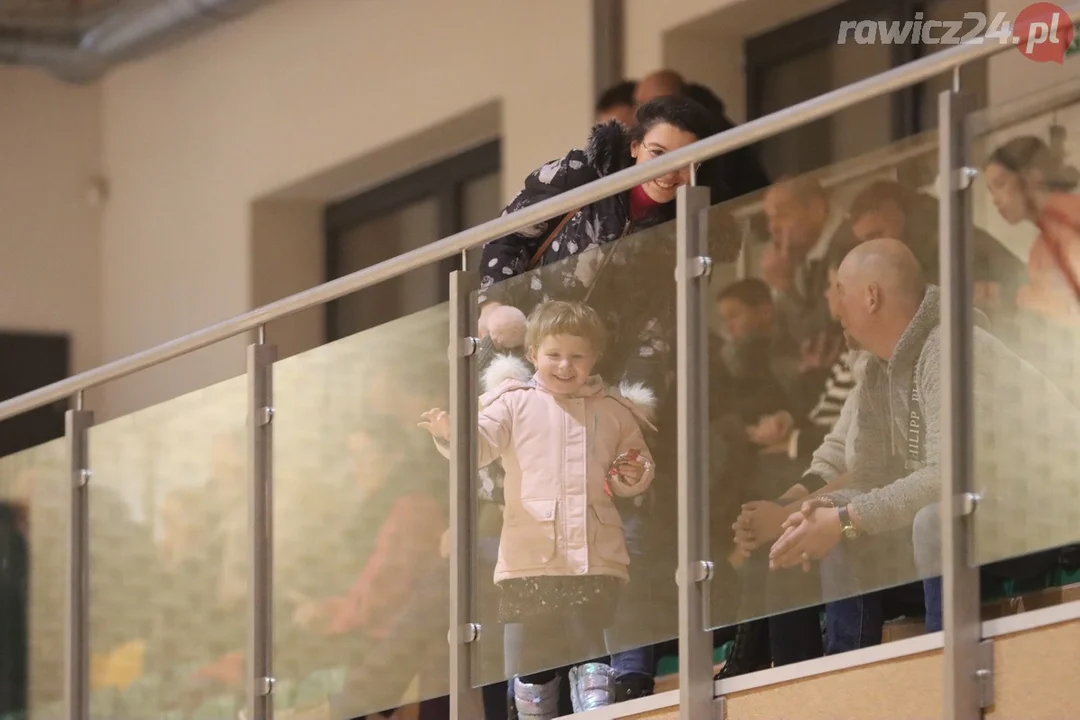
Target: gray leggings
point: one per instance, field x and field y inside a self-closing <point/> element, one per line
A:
<point x="536" y="648"/>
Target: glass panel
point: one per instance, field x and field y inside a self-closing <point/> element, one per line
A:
<point x="361" y="587"/>
<point x="1027" y="388"/>
<point x="169" y="557"/>
<point x="379" y="239"/>
<point x="33" y="579"/>
<point x="550" y="566"/>
<point x="779" y="377"/>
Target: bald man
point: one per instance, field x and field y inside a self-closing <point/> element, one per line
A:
<point x="879" y="529"/>
<point x="658" y="84"/>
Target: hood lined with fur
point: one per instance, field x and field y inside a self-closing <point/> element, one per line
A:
<point x="509" y="372"/>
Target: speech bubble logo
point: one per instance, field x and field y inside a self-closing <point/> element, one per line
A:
<point x="1043" y="32"/>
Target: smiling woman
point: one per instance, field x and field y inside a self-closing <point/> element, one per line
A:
<point x="663" y="125"/>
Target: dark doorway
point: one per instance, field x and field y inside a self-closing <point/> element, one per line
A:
<point x="29" y="361"/>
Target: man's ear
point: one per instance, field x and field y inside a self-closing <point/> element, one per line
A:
<point x="873" y="298"/>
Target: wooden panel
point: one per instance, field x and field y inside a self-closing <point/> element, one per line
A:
<point x="1037" y="675"/>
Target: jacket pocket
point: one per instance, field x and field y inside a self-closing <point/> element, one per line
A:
<point x="529" y="534"/>
<point x="606" y="536"/>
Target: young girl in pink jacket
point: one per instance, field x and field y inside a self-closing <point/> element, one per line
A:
<point x="568" y="443"/>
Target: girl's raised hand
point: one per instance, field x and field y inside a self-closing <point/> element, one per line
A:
<point x="436" y="422"/>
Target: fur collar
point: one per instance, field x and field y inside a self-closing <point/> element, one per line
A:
<point x="608" y="149"/>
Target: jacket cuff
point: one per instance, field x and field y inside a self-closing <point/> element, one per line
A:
<point x="812" y="482"/>
<point x="621" y="487"/>
<point x="443" y="446"/>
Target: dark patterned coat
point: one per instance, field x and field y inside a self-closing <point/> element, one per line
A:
<point x="634" y="293"/>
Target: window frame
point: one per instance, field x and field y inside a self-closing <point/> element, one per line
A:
<point x="444" y="180"/>
<point x="818" y="31"/>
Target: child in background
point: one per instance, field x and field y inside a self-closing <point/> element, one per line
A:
<point x="568" y="443"/>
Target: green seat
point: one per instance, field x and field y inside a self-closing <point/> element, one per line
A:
<point x="669" y="664"/>
<point x="1065" y="577"/>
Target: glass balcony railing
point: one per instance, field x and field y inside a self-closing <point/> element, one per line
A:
<point x="1027" y="378"/>
<point x="361" y="586"/>
<point x="827" y="463"/>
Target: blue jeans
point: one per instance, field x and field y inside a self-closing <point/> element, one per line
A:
<point x="852" y="576"/>
<point x="926" y="538"/>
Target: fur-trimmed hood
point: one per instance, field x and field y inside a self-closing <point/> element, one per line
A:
<point x="509" y="372"/>
<point x="608" y="148"/>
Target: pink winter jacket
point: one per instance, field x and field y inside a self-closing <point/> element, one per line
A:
<point x="556" y="452"/>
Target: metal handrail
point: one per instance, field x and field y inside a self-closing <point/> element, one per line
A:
<point x="754" y="131"/>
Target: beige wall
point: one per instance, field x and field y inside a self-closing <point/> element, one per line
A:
<point x="192" y="138"/>
<point x="49" y="232"/>
<point x="288" y="256"/>
<point x="194" y="135"/>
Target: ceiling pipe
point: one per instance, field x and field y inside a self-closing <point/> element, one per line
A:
<point x="86" y="50"/>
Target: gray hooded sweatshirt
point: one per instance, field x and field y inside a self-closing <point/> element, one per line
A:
<point x="870" y="441"/>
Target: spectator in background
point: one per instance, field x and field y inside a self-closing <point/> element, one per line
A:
<point x="862" y="532"/>
<point x="617" y="103"/>
<point x="739" y="172"/>
<point x="781" y="440"/>
<point x="887" y="209"/>
<point x="813" y="420"/>
<point x="394" y="600"/>
<point x="887" y="446"/>
<point x="748" y="387"/>
<point x="802" y="225"/>
<point x="762" y="370"/>
<point x="1029" y="182"/>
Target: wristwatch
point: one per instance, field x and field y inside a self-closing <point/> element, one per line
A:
<point x="846" y="526"/>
